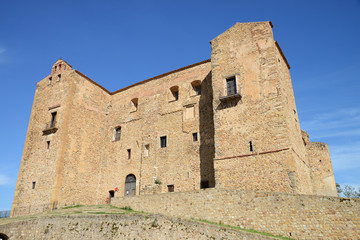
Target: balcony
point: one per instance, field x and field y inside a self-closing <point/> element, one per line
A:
<point x="236" y="96"/>
<point x="50" y="127"/>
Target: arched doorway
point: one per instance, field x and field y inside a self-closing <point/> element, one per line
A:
<point x="3" y="237"/>
<point x="130" y="185"/>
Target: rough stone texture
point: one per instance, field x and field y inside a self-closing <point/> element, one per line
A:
<point x="302" y="216"/>
<point x="119" y="227"/>
<point x="85" y="160"/>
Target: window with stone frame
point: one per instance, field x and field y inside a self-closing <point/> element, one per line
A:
<point x="231" y="86"/>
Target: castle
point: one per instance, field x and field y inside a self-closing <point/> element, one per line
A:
<point x="229" y="122"/>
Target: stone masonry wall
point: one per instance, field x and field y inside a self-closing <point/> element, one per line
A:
<point x="119" y="227"/>
<point x="292" y="215"/>
<point x="254" y="123"/>
<point x="321" y="169"/>
<point x="39" y="165"/>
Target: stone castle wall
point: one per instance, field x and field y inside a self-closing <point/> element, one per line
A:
<point x="292" y="215"/>
<point x="247" y="140"/>
<point x="119" y="227"/>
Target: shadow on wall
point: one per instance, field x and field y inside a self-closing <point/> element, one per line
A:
<point x="206" y="122"/>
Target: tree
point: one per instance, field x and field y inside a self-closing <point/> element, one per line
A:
<point x="348" y="191"/>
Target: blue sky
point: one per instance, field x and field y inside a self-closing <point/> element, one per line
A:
<point x="117" y="43"/>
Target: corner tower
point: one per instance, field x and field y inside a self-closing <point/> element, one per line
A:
<point x="258" y="143"/>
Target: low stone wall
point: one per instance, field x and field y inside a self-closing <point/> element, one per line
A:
<point x="292" y="215"/>
<point x="118" y="227"/>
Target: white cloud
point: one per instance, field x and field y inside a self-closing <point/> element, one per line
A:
<point x="343" y="122"/>
<point x="345" y="156"/>
<point x="3" y="180"/>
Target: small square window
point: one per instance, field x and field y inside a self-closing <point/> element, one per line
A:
<point x="231" y="86"/>
<point x="163" y="142"/>
<point x="129" y="153"/>
<point x="195" y="137"/>
<point x="170" y="188"/>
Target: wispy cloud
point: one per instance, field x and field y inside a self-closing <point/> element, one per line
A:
<point x="343" y="122"/>
<point x="345" y="156"/>
<point x="3" y="180"/>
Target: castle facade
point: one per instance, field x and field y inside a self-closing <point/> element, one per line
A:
<point x="229" y="122"/>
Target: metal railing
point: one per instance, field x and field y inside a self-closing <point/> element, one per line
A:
<point x="18" y="211"/>
<point x="5" y="214"/>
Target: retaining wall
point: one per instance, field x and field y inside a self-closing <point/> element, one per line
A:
<point x="118" y="227"/>
<point x="292" y="215"/>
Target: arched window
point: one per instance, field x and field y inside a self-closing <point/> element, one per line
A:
<point x="130" y="185"/>
<point x="174" y="93"/>
<point x="196" y="86"/>
<point x="134" y="105"/>
<point x="3" y="236"/>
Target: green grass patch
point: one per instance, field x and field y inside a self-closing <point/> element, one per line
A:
<point x="77" y="212"/>
<point x="127" y="208"/>
<point x="107" y="213"/>
<point x="241" y="229"/>
<point x="75" y="206"/>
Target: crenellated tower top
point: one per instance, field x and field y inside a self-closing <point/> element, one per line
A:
<point x="60" y="66"/>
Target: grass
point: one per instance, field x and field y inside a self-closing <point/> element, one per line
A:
<point x="75" y="206"/>
<point x="241" y="229"/>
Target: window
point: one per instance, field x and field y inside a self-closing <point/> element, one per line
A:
<point x="53" y="119"/>
<point x="231" y="86"/>
<point x="33" y="185"/>
<point x="196" y="85"/>
<point x="195" y="137"/>
<point x="175" y="93"/>
<point x="55" y="68"/>
<point x="147" y="150"/>
<point x="251" y="146"/>
<point x="163" y="141"/>
<point x="47" y="144"/>
<point x="129" y="153"/>
<point x="50" y="80"/>
<point x="170" y="188"/>
<point x="59" y="77"/>
<point x="117" y="134"/>
<point x="134" y="106"/>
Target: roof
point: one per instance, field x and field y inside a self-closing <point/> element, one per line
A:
<point x="144" y="81"/>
